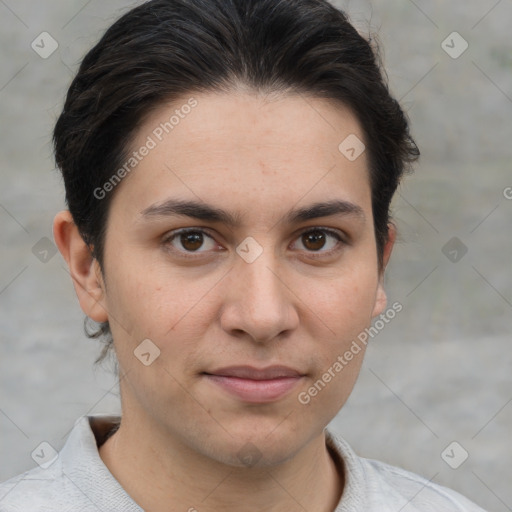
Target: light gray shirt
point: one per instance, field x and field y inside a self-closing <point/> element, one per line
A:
<point x="78" y="481"/>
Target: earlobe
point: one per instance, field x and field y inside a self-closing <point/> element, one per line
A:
<point x="83" y="267"/>
<point x="381" y="297"/>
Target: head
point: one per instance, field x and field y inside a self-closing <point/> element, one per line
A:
<point x="253" y="110"/>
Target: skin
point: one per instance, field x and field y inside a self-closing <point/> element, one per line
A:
<point x="298" y="304"/>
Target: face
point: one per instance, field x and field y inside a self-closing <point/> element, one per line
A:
<point x="251" y="295"/>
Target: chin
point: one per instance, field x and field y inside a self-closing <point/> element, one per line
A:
<point x="261" y="444"/>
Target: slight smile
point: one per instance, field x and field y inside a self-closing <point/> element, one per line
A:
<point x="256" y="385"/>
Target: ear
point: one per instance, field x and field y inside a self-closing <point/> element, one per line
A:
<point x="83" y="267"/>
<point x="381" y="298"/>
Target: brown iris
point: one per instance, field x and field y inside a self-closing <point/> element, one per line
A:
<point x="192" y="240"/>
<point x="313" y="240"/>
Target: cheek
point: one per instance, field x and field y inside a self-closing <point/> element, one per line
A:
<point x="345" y="308"/>
<point x="157" y="303"/>
<point x="347" y="311"/>
<point x="346" y="304"/>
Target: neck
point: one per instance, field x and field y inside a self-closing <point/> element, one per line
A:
<point x="157" y="471"/>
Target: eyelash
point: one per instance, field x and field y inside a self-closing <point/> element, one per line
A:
<point x="195" y="254"/>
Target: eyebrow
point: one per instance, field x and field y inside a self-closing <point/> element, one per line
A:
<point x="202" y="211"/>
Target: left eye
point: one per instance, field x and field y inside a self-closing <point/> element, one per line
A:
<point x="316" y="239"/>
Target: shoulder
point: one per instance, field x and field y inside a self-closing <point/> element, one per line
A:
<point x="382" y="487"/>
<point x="74" y="480"/>
<point x="416" y="492"/>
<point x="39" y="490"/>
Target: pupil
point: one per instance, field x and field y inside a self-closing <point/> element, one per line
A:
<point x="192" y="241"/>
<point x="314" y="240"/>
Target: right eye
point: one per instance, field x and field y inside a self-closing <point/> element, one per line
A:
<point x="189" y="240"/>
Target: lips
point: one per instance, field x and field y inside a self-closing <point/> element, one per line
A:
<point x="255" y="385"/>
<point x="248" y="372"/>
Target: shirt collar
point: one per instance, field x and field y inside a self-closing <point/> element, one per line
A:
<point x="82" y="465"/>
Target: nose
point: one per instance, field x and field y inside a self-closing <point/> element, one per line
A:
<point x="257" y="301"/>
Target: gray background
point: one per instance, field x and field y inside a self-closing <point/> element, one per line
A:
<point x="439" y="372"/>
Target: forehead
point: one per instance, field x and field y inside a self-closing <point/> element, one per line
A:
<point x="241" y="147"/>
